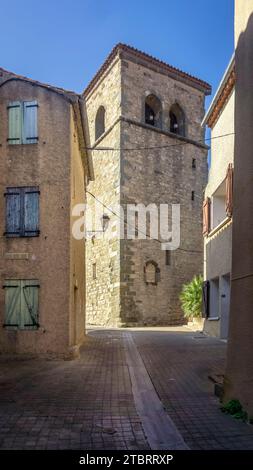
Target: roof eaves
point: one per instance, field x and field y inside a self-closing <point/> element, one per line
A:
<point x="196" y="82"/>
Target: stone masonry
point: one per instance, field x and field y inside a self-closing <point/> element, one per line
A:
<point x="117" y="290"/>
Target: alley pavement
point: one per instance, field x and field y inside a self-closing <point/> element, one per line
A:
<point x="131" y="389"/>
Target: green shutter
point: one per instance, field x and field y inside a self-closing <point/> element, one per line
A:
<point x="12" y="303"/>
<point x="29" y="304"/>
<point x="30" y="128"/>
<point x="15" y="122"/>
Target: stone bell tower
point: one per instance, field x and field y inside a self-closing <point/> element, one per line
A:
<point x="144" y="121"/>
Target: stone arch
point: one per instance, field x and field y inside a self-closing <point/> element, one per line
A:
<point x="100" y="122"/>
<point x="177" y="120"/>
<point x="153" y="111"/>
<point x="151" y="272"/>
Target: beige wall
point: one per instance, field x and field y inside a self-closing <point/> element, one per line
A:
<point x="222" y="149"/>
<point x="47" y="165"/>
<point x="218" y="246"/>
<point x="243" y="11"/>
<point x="77" y="247"/>
<point x="239" y="371"/>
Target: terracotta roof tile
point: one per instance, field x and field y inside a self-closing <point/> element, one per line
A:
<point x="195" y="82"/>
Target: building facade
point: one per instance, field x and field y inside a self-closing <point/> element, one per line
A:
<point x="43" y="173"/>
<point x="144" y="120"/>
<point x="218" y="208"/>
<point x="238" y="383"/>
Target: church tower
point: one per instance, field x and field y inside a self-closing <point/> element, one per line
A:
<point x="144" y="118"/>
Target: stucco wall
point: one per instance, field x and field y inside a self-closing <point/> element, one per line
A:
<point x="77" y="247"/>
<point x="218" y="247"/>
<point x="222" y="148"/>
<point x="47" y="165"/>
<point x="239" y="371"/>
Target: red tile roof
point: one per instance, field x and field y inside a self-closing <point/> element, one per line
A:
<point x="193" y="81"/>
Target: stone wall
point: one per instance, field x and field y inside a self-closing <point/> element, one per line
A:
<point x="103" y="254"/>
<point x="156" y="176"/>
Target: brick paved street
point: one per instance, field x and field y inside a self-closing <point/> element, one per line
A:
<point x="89" y="403"/>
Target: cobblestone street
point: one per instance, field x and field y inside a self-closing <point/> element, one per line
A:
<point x="97" y="401"/>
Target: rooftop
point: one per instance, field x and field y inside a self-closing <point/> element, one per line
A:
<point x="169" y="69"/>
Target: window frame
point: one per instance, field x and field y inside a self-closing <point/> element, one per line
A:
<point x="22" y="305"/>
<point x="23" y="123"/>
<point x="23" y="231"/>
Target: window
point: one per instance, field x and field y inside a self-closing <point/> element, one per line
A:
<point x="193" y="195"/>
<point x="214" y="298"/>
<point x="206" y="216"/>
<point x="100" y="122"/>
<point x="21" y="304"/>
<point x="151" y="273"/>
<point x="177" y="120"/>
<point x="168" y="257"/>
<point x="218" y="206"/>
<point x="153" y="111"/>
<point x="194" y="163"/>
<point x="94" y="271"/>
<point x="22" y="212"/>
<point x="23" y="125"/>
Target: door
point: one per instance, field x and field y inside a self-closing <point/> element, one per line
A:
<point x="225" y="305"/>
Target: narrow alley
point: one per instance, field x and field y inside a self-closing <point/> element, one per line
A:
<point x="95" y="402"/>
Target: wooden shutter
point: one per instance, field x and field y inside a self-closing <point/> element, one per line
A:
<point x="229" y="191"/>
<point x="29" y="304"/>
<point x="15" y="122"/>
<point x="31" y="211"/>
<point x="12" y="303"/>
<point x="206" y="216"/>
<point x="13" y="212"/>
<point x="206" y="298"/>
<point x="30" y="128"/>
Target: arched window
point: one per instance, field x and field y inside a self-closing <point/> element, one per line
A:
<point x="100" y="122"/>
<point x="177" y="120"/>
<point x="153" y="111"/>
<point x="151" y="273"/>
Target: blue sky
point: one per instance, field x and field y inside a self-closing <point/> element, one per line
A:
<point x="64" y="42"/>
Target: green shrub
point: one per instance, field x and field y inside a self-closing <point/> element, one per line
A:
<point x="235" y="409"/>
<point x="191" y="298"/>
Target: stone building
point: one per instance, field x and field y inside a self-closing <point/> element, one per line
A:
<point x="145" y="129"/>
<point x="44" y="171"/>
<point x="218" y="207"/>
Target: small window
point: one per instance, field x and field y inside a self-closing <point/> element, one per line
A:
<point x="94" y="271"/>
<point x="168" y="257"/>
<point x="153" y="111"/>
<point x="100" y="122"/>
<point x="21" y="304"/>
<point x="23" y="122"/>
<point x="193" y="195"/>
<point x="194" y="163"/>
<point x="218" y="206"/>
<point x="177" y="120"/>
<point x="22" y="212"/>
<point x="151" y="273"/>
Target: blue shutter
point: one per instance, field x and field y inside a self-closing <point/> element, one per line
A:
<point x="29" y="304"/>
<point x="30" y="127"/>
<point x="31" y="211"/>
<point x="12" y="303"/>
<point x="13" y="212"/>
<point x="15" y="122"/>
